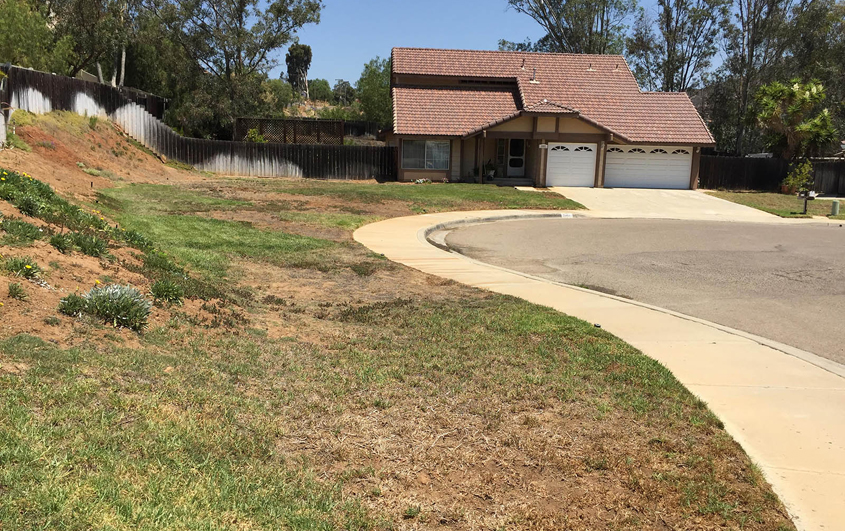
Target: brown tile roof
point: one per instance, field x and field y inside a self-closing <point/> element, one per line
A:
<point x="449" y="111"/>
<point x="599" y="87"/>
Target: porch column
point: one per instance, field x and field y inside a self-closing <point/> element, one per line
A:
<point x="482" y="140"/>
<point x="694" y="168"/>
<point x="478" y="159"/>
<point x="541" y="171"/>
<point x="601" y="158"/>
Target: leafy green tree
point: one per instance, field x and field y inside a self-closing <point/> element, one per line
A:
<point x="278" y="95"/>
<point x="298" y="61"/>
<point x="771" y="40"/>
<point x="644" y="52"/>
<point x="791" y="116"/>
<point x="679" y="50"/>
<point x="233" y="41"/>
<point x="320" y="90"/>
<point x="576" y="26"/>
<point x="92" y="29"/>
<point x="755" y="41"/>
<point x="542" y="44"/>
<point x="349" y="114"/>
<point x="373" y="90"/>
<point x="817" y="51"/>
<point x="344" y="92"/>
<point x="27" y="41"/>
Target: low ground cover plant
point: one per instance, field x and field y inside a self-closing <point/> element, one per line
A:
<point x="22" y="266"/>
<point x="73" y="305"/>
<point x="19" y="231"/>
<point x="89" y="244"/>
<point x="16" y="291"/>
<point x="122" y="306"/>
<point x="87" y="232"/>
<point x="61" y="242"/>
<point x="167" y="291"/>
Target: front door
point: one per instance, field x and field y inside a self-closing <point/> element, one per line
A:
<point x="516" y="158"/>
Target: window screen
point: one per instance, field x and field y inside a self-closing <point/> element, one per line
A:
<point x="413" y="154"/>
<point x="425" y="154"/>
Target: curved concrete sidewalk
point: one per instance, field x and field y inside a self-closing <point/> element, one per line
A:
<point x="786" y="407"/>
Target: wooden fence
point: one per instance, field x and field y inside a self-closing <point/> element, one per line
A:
<point x="39" y="92"/>
<point x="829" y="177"/>
<point x="292" y="130"/>
<point x="304" y="130"/>
<point x="766" y="174"/>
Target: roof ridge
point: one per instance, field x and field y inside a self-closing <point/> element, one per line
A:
<point x="513" y="52"/>
<point x="467" y="88"/>
<point x="545" y="101"/>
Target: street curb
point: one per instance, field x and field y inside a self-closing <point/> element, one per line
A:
<point x="813" y="359"/>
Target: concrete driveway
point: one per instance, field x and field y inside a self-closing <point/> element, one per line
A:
<point x="662" y="204"/>
<point x="782" y="282"/>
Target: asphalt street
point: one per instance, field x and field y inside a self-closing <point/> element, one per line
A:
<point x="783" y="282"/>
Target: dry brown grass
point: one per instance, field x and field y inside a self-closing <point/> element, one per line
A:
<point x="352" y="394"/>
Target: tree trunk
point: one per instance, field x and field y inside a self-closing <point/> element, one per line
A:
<point x="100" y="73"/>
<point x="122" y="65"/>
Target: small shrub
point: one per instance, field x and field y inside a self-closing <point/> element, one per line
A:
<point x="19" y="231"/>
<point x="122" y="306"/>
<point x="17" y="142"/>
<point x="17" y="292"/>
<point x="254" y="136"/>
<point x="52" y="321"/>
<point x="167" y="291"/>
<point x="800" y="177"/>
<point x="92" y="122"/>
<point x="135" y="239"/>
<point x="7" y="191"/>
<point x="23" y="266"/>
<point x="80" y="164"/>
<point x="89" y="244"/>
<point x="93" y="171"/>
<point x="28" y="205"/>
<point x="72" y="305"/>
<point x="46" y="145"/>
<point x="62" y="242"/>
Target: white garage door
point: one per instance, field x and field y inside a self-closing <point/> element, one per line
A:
<point x="571" y="165"/>
<point x="648" y="167"/>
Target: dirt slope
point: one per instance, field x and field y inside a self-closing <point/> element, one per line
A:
<point x="60" y="141"/>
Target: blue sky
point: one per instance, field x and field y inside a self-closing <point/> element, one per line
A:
<point x="352" y="32"/>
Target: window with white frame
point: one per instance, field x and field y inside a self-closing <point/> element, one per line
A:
<point x="425" y="154"/>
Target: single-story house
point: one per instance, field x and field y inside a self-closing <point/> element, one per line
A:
<point x="539" y="119"/>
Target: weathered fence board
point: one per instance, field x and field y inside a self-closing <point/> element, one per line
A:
<point x="742" y="173"/>
<point x="766" y="174"/>
<point x="830" y="177"/>
<point x="39" y="92"/>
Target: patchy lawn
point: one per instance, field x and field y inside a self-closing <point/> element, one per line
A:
<point x="783" y="205"/>
<point x="349" y="392"/>
<point x="420" y="198"/>
<point x="305" y="383"/>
